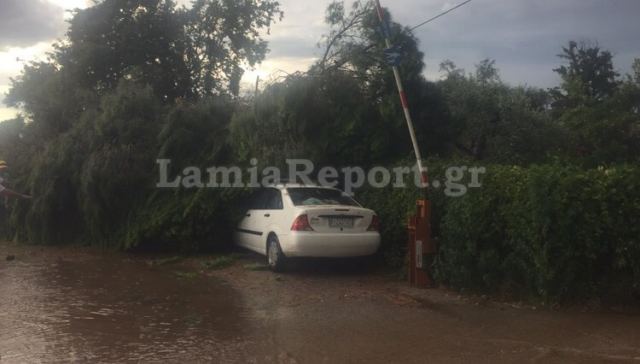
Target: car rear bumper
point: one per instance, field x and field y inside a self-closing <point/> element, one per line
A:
<point x="329" y="245"/>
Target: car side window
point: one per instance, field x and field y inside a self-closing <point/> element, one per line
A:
<point x="259" y="200"/>
<point x="274" y="199"/>
<point x="267" y="199"/>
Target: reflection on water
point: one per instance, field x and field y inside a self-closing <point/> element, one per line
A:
<point x="109" y="310"/>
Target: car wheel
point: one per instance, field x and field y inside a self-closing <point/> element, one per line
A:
<point x="275" y="258"/>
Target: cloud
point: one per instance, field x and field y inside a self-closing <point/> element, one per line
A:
<point x="523" y="36"/>
<point x="6" y="113"/>
<point x="26" y="22"/>
<point x="292" y="47"/>
<point x="72" y="4"/>
<point x="12" y="61"/>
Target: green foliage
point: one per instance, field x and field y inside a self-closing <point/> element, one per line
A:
<point x="496" y="122"/>
<point x="588" y="77"/>
<point x="186" y="275"/>
<point x="256" y="267"/>
<point x="115" y="39"/>
<point x="52" y="215"/>
<point x="115" y="170"/>
<point x="635" y="77"/>
<point x="595" y="107"/>
<point x="325" y="121"/>
<point x="197" y="133"/>
<point x="547" y="231"/>
<point x="181" y="52"/>
<point x="394" y="205"/>
<point x="126" y="87"/>
<point x="221" y="35"/>
<point x="219" y="262"/>
<point x="184" y="220"/>
<point x="550" y="231"/>
<point x="136" y="81"/>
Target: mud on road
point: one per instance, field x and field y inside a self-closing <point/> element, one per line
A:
<point x="80" y="305"/>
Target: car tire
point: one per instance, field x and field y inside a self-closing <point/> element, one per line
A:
<point x="275" y="258"/>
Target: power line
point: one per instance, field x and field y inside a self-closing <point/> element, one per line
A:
<point x="441" y="14"/>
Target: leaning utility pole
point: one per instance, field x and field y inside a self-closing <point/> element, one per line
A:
<point x="403" y="96"/>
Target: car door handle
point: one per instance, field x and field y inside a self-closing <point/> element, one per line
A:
<point x="267" y="215"/>
<point x="247" y="215"/>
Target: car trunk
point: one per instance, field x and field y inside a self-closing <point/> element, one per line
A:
<point x="335" y="219"/>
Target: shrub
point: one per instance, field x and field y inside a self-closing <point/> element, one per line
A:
<point x="551" y="231"/>
<point x="395" y="205"/>
<point x="185" y="220"/>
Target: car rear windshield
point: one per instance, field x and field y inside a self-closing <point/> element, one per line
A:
<point x="319" y="196"/>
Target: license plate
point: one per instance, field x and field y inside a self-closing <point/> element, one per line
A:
<point x="341" y="222"/>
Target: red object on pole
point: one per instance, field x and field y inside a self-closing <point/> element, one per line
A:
<point x="420" y="247"/>
<point x="403" y="100"/>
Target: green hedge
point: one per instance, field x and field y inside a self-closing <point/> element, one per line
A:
<point x="550" y="232"/>
<point x="395" y="205"/>
<point x="185" y="220"/>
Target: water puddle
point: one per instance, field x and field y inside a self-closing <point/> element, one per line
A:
<point x="111" y="309"/>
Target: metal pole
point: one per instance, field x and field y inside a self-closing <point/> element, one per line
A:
<point x="403" y="99"/>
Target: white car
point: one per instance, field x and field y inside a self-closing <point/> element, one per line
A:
<point x="292" y="220"/>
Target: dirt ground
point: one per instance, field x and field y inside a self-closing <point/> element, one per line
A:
<point x="70" y="304"/>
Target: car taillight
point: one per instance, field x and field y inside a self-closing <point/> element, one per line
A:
<point x="375" y="224"/>
<point x="301" y="223"/>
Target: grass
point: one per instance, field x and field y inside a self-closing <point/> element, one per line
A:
<point x="165" y="261"/>
<point x="187" y="275"/>
<point x="219" y="262"/>
<point x="256" y="266"/>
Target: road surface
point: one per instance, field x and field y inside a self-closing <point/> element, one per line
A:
<point x="80" y="305"/>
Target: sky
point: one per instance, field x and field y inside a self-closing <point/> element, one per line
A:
<point x="523" y="36"/>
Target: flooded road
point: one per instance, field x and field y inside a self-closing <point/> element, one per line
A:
<point x="110" y="309"/>
<point x="74" y="305"/>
